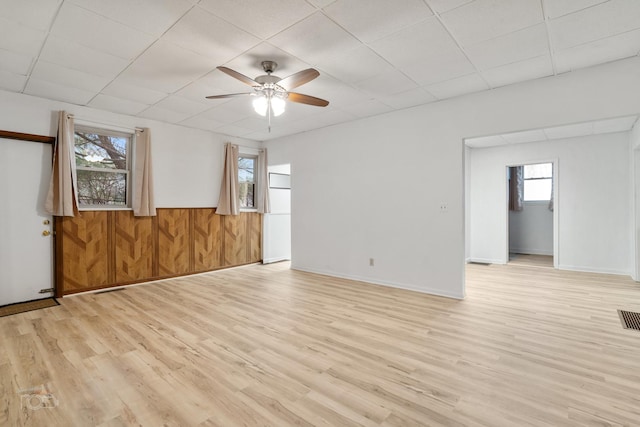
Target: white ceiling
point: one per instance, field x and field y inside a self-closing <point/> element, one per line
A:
<point x="157" y="58"/>
<point x="597" y="127"/>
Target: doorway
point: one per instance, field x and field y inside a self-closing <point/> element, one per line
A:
<point x="277" y="224"/>
<point x="530" y="216"/>
<point x="26" y="244"/>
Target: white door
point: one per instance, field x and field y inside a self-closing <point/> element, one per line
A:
<point x="26" y="254"/>
<point x="276" y="235"/>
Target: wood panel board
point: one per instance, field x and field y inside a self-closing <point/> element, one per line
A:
<point x="173" y="241"/>
<point x="207" y="239"/>
<point x="85" y="262"/>
<point x="134" y="247"/>
<point x="235" y="239"/>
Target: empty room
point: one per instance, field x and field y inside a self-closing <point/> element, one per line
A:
<point x="320" y="213"/>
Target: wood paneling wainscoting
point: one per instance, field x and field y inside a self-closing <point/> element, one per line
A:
<point x="101" y="249"/>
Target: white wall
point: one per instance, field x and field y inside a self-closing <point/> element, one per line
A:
<point x="373" y="188"/>
<point x="592" y="201"/>
<point x="634" y="194"/>
<point x="531" y="229"/>
<point x="187" y="163"/>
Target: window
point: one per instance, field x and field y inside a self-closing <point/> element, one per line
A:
<point x="247" y="181"/>
<point x="103" y="166"/>
<point x="538" y="181"/>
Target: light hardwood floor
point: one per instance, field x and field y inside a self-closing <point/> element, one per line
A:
<point x="267" y="346"/>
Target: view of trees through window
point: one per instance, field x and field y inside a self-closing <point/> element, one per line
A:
<point x="103" y="166"/>
<point x="538" y="181"/>
<point x="246" y="181"/>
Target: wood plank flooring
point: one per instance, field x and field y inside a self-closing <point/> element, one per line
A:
<point x="267" y="346"/>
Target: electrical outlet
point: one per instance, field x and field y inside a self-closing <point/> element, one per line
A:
<point x="370" y="262"/>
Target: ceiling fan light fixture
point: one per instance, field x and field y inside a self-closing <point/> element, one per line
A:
<point x="260" y="105"/>
<point x="277" y="105"/>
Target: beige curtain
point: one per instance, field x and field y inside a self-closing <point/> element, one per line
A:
<point x="516" y="188"/>
<point x="229" y="203"/>
<point x="143" y="204"/>
<point x="62" y="198"/>
<point x="263" y="202"/>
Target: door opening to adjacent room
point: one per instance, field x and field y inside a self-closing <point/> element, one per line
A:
<point x="530" y="217"/>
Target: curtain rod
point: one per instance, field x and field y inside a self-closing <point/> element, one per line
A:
<point x="105" y="123"/>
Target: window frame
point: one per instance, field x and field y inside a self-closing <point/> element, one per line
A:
<point x="128" y="172"/>
<point x="255" y="181"/>
<point x="549" y="178"/>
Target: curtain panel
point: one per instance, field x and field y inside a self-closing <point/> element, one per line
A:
<point x="143" y="203"/>
<point x="62" y="197"/>
<point x="229" y="203"/>
<point x="516" y="188"/>
<point x="263" y="203"/>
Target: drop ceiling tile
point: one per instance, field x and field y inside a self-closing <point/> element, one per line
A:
<point x="556" y="8"/>
<point x="20" y="38"/>
<point x="183" y="105"/>
<point x="258" y="123"/>
<point x="485" y="141"/>
<point x="202" y="123"/>
<point x="100" y="33"/>
<point x="153" y="70"/>
<point x="569" y="131"/>
<point x="334" y="91"/>
<point x="230" y="112"/>
<point x="315" y="39"/>
<point x="598" y="52"/>
<point x="525" y="136"/>
<point x="620" y="124"/>
<point x="206" y="34"/>
<point x="151" y="16"/>
<point x="117" y="105"/>
<point x="370" y="20"/>
<point x="529" y="69"/>
<point x="513" y="47"/>
<point x="359" y="64"/>
<point x="67" y="77"/>
<point x="66" y="53"/>
<point x="37" y="14"/>
<point x="440" y="68"/>
<point x="417" y="43"/>
<point x="249" y="63"/>
<point x="14" y="62"/>
<point x="11" y="81"/>
<point x="260" y="18"/>
<point x="233" y="130"/>
<point x="386" y="84"/>
<point x="459" y="86"/>
<point x="214" y="83"/>
<point x="163" y="115"/>
<point x="133" y="93"/>
<point x="407" y="99"/>
<point x="441" y="6"/>
<point x="485" y="19"/>
<point x="58" y="92"/>
<point x="368" y="108"/>
<point x="597" y="22"/>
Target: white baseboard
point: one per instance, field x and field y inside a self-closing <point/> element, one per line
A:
<point x="485" y="260"/>
<point x="407" y="287"/>
<point x="272" y="260"/>
<point x="594" y="270"/>
<point x="531" y="251"/>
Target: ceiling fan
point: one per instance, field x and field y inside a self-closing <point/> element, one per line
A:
<point x="270" y="92"/>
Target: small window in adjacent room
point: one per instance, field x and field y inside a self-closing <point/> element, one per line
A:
<point x="538" y="181"/>
<point x="103" y="167"/>
<point x="247" y="181"/>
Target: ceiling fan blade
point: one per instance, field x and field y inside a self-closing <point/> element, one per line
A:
<point x="298" y="79"/>
<point x="228" y="95"/>
<point x="306" y="99"/>
<point x="236" y="75"/>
